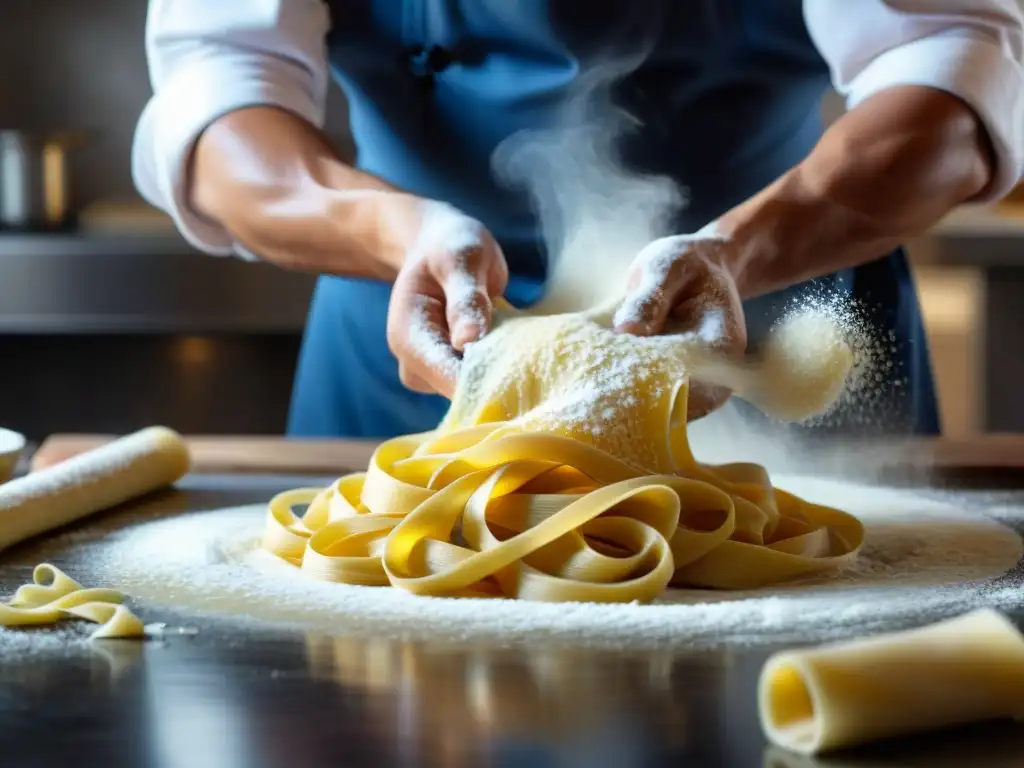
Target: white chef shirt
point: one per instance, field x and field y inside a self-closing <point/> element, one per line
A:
<point x="208" y="58"/>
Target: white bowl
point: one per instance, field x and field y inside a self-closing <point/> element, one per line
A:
<point x="11" y="446"/>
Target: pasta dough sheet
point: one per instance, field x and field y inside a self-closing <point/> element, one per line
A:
<point x="958" y="671"/>
<point x="562" y="472"/>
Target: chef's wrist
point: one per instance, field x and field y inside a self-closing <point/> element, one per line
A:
<point x="774" y="235"/>
<point x="887" y="170"/>
<point x="372" y="227"/>
<point x="884" y="172"/>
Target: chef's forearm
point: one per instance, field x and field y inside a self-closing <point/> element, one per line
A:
<point x="277" y="185"/>
<point x="886" y="171"/>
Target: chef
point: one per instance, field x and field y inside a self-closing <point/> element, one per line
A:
<point x="416" y="239"/>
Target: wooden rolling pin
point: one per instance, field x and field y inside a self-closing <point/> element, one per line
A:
<point x="91" y="482"/>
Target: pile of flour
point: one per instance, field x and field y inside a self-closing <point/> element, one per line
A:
<point x="923" y="559"/>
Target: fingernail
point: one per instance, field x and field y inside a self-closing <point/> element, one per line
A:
<point x="465" y="332"/>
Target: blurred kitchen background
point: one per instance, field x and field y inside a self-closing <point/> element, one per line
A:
<point x="114" y="322"/>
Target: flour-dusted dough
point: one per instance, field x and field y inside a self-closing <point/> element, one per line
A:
<point x="562" y="472"/>
<point x="962" y="670"/>
<point x="91" y="482"/>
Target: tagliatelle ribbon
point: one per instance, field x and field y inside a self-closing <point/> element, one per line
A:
<point x="53" y="596"/>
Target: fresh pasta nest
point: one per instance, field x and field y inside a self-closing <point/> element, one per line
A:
<point x="562" y="472"/>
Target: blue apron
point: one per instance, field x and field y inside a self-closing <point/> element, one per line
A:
<point x="728" y="97"/>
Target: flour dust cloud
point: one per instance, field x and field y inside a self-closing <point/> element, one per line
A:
<point x="595" y="214"/>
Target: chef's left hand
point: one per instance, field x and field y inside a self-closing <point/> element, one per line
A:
<point x="684" y="281"/>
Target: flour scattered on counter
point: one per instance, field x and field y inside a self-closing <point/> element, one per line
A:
<point x="68" y="636"/>
<point x="922" y="560"/>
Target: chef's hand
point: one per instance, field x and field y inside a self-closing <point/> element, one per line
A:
<point x="682" y="283"/>
<point x="442" y="298"/>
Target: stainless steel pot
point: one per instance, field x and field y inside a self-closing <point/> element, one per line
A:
<point x="35" y="179"/>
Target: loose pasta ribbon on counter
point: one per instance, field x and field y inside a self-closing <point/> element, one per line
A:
<point x="53" y="596"/>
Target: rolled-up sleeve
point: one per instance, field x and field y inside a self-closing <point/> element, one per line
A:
<point x="971" y="49"/>
<point x="207" y="59"/>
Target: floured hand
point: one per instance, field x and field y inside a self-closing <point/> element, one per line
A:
<point x="682" y="284"/>
<point x="442" y="297"/>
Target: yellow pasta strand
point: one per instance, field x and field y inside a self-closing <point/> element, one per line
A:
<point x="562" y="472"/>
<point x="53" y="595"/>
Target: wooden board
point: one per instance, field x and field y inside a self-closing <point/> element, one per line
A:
<point x="994" y="451"/>
<point x="242" y="454"/>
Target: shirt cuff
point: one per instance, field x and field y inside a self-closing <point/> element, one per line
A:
<point x="194" y="97"/>
<point x="976" y="71"/>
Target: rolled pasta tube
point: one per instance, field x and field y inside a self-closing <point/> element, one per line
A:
<point x="958" y="671"/>
<point x="91" y="482"/>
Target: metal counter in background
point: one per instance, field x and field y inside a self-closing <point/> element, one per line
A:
<point x="185" y="332"/>
<point x="109" y="332"/>
<point x="68" y="283"/>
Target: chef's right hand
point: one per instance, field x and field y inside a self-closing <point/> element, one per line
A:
<point x="277" y="186"/>
<point x="442" y="299"/>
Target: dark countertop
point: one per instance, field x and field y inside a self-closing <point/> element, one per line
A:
<point x="228" y="698"/>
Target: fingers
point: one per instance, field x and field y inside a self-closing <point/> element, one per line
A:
<point x="658" y="278"/>
<point x="682" y="279"/>
<point x="414" y="381"/>
<point x="470" y="278"/>
<point x="704" y="399"/>
<point x="682" y="283"/>
<point x="440" y="303"/>
<point x="418" y="337"/>
<point x="467" y="308"/>
<point x="715" y="314"/>
<point x="442" y="297"/>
